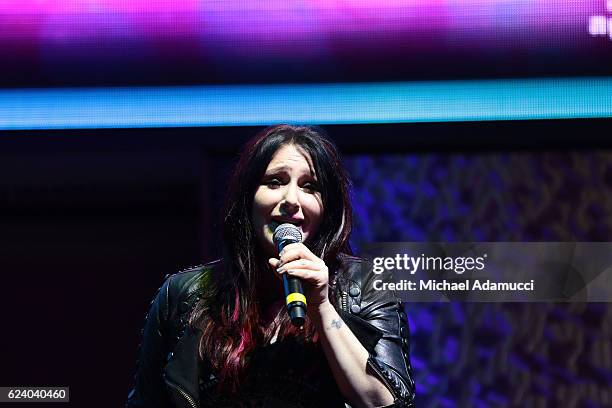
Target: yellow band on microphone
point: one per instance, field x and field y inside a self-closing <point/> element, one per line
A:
<point x="295" y="297"/>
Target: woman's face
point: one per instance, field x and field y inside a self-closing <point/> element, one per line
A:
<point x="287" y="193"/>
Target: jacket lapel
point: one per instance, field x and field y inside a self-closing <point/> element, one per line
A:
<point x="181" y="371"/>
<point x="367" y="334"/>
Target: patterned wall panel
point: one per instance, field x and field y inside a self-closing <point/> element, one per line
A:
<point x="496" y="354"/>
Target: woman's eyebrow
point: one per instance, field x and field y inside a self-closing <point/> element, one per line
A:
<point x="277" y="169"/>
<point x="285" y="169"/>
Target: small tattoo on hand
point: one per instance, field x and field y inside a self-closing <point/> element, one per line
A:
<point x="337" y="323"/>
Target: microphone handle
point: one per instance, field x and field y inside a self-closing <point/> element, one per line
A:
<point x="295" y="300"/>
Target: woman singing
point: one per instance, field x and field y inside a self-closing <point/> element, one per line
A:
<point x="219" y="335"/>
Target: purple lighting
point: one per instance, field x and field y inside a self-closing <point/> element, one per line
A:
<point x="229" y="41"/>
<point x="242" y="24"/>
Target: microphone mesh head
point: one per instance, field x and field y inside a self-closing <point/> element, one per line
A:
<point x="287" y="232"/>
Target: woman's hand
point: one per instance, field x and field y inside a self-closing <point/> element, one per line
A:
<point x="298" y="261"/>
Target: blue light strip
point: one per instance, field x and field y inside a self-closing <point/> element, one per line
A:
<point x="354" y="103"/>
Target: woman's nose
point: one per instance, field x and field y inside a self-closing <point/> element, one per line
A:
<point x="291" y="197"/>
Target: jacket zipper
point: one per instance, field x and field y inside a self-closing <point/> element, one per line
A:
<point x="383" y="378"/>
<point x="183" y="393"/>
<point x="345" y="301"/>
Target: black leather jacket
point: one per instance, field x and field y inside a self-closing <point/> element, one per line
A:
<point x="167" y="369"/>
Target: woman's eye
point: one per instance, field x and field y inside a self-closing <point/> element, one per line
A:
<point x="272" y="183"/>
<point x="311" y="187"/>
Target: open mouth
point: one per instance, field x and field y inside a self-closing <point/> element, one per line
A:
<point x="278" y="221"/>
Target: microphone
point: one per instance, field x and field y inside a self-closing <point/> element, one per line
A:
<point x="295" y="300"/>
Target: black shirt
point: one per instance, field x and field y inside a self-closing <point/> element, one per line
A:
<point x="287" y="374"/>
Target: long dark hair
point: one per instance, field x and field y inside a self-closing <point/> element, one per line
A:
<point x="228" y="314"/>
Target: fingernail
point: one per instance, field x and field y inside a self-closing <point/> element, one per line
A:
<point x="280" y="270"/>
